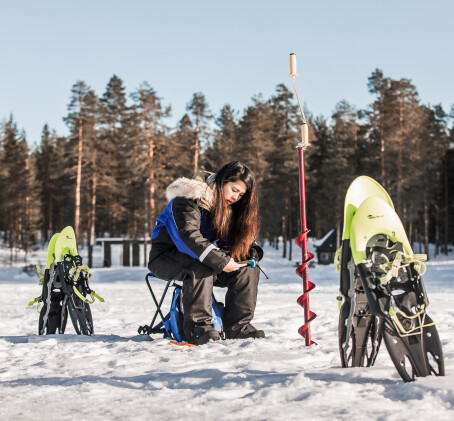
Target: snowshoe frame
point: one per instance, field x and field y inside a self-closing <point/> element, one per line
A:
<point x="381" y="288"/>
<point x="65" y="288"/>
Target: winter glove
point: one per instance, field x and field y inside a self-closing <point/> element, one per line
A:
<point x="256" y="252"/>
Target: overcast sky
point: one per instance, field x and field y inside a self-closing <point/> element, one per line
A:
<point x="229" y="50"/>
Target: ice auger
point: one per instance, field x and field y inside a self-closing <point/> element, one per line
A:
<point x="382" y="294"/>
<point x="301" y="240"/>
<point x="65" y="288"/>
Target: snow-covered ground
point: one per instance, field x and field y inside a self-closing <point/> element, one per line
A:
<point x="118" y="375"/>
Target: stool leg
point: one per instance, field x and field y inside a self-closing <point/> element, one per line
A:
<point x="158" y="306"/>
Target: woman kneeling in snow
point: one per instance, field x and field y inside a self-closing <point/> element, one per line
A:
<point x="209" y="225"/>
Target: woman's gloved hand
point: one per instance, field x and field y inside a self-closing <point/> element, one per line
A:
<point x="256" y="252"/>
<point x="232" y="266"/>
<point x="251" y="262"/>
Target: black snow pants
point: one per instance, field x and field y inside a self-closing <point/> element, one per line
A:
<point x="198" y="281"/>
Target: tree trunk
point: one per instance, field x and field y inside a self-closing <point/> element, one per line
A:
<point x="147" y="227"/>
<point x="51" y="225"/>
<point x="382" y="154"/>
<point x="290" y="242"/>
<point x="151" y="205"/>
<point x="78" y="182"/>
<point x="437" y="231"/>
<point x="399" y="156"/>
<point x="27" y="226"/>
<point x="284" y="237"/>
<point x="11" y="239"/>
<point x="338" y="221"/>
<point x="445" y="237"/>
<point x="145" y="241"/>
<point x="410" y="233"/>
<point x="91" y="240"/>
<point x="426" y="227"/>
<point x="27" y="222"/>
<point x="196" y="146"/>
<point x="317" y="229"/>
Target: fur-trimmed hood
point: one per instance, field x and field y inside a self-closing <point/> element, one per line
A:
<point x="196" y="189"/>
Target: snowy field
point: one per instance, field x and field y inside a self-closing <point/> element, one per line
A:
<point x="118" y="375"/>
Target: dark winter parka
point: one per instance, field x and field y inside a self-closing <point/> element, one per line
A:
<point x="185" y="224"/>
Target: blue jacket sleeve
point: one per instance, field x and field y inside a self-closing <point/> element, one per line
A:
<point x="186" y="218"/>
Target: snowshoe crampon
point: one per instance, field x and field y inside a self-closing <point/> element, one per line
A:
<point x="382" y="289"/>
<point x="66" y="291"/>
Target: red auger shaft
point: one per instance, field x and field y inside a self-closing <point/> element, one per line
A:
<point x="301" y="242"/>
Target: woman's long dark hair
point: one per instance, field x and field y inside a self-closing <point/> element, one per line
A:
<point x="237" y="224"/>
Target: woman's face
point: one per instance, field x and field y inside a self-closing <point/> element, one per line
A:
<point x="234" y="191"/>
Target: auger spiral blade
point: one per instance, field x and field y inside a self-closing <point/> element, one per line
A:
<point x="308" y="286"/>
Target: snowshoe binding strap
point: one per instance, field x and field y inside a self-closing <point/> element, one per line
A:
<point x="93" y="295"/>
<point x="393" y="312"/>
<point x="76" y="272"/>
<point x="340" y="299"/>
<point x="337" y="259"/>
<point x="41" y="275"/>
<point x="38" y="300"/>
<point x="392" y="268"/>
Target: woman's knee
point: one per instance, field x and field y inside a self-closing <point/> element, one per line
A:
<point x="247" y="275"/>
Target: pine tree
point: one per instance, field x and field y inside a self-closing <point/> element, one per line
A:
<point x="16" y="190"/>
<point x="3" y="181"/>
<point x="180" y="150"/>
<point x="253" y="147"/>
<point x="144" y="160"/>
<point x="81" y="120"/>
<point x="225" y="138"/>
<point x="114" y="119"/>
<point x="282" y="181"/>
<point x="396" y="120"/>
<point x="433" y="145"/>
<point x="200" y="111"/>
<point x="64" y="162"/>
<point x="341" y="159"/>
<point x="318" y="197"/>
<point x="449" y="184"/>
<point x="379" y="119"/>
<point x="45" y="178"/>
<point x="255" y="137"/>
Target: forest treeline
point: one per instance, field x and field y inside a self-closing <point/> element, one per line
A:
<point x="108" y="177"/>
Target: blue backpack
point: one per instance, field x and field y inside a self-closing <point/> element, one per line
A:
<point x="173" y="322"/>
